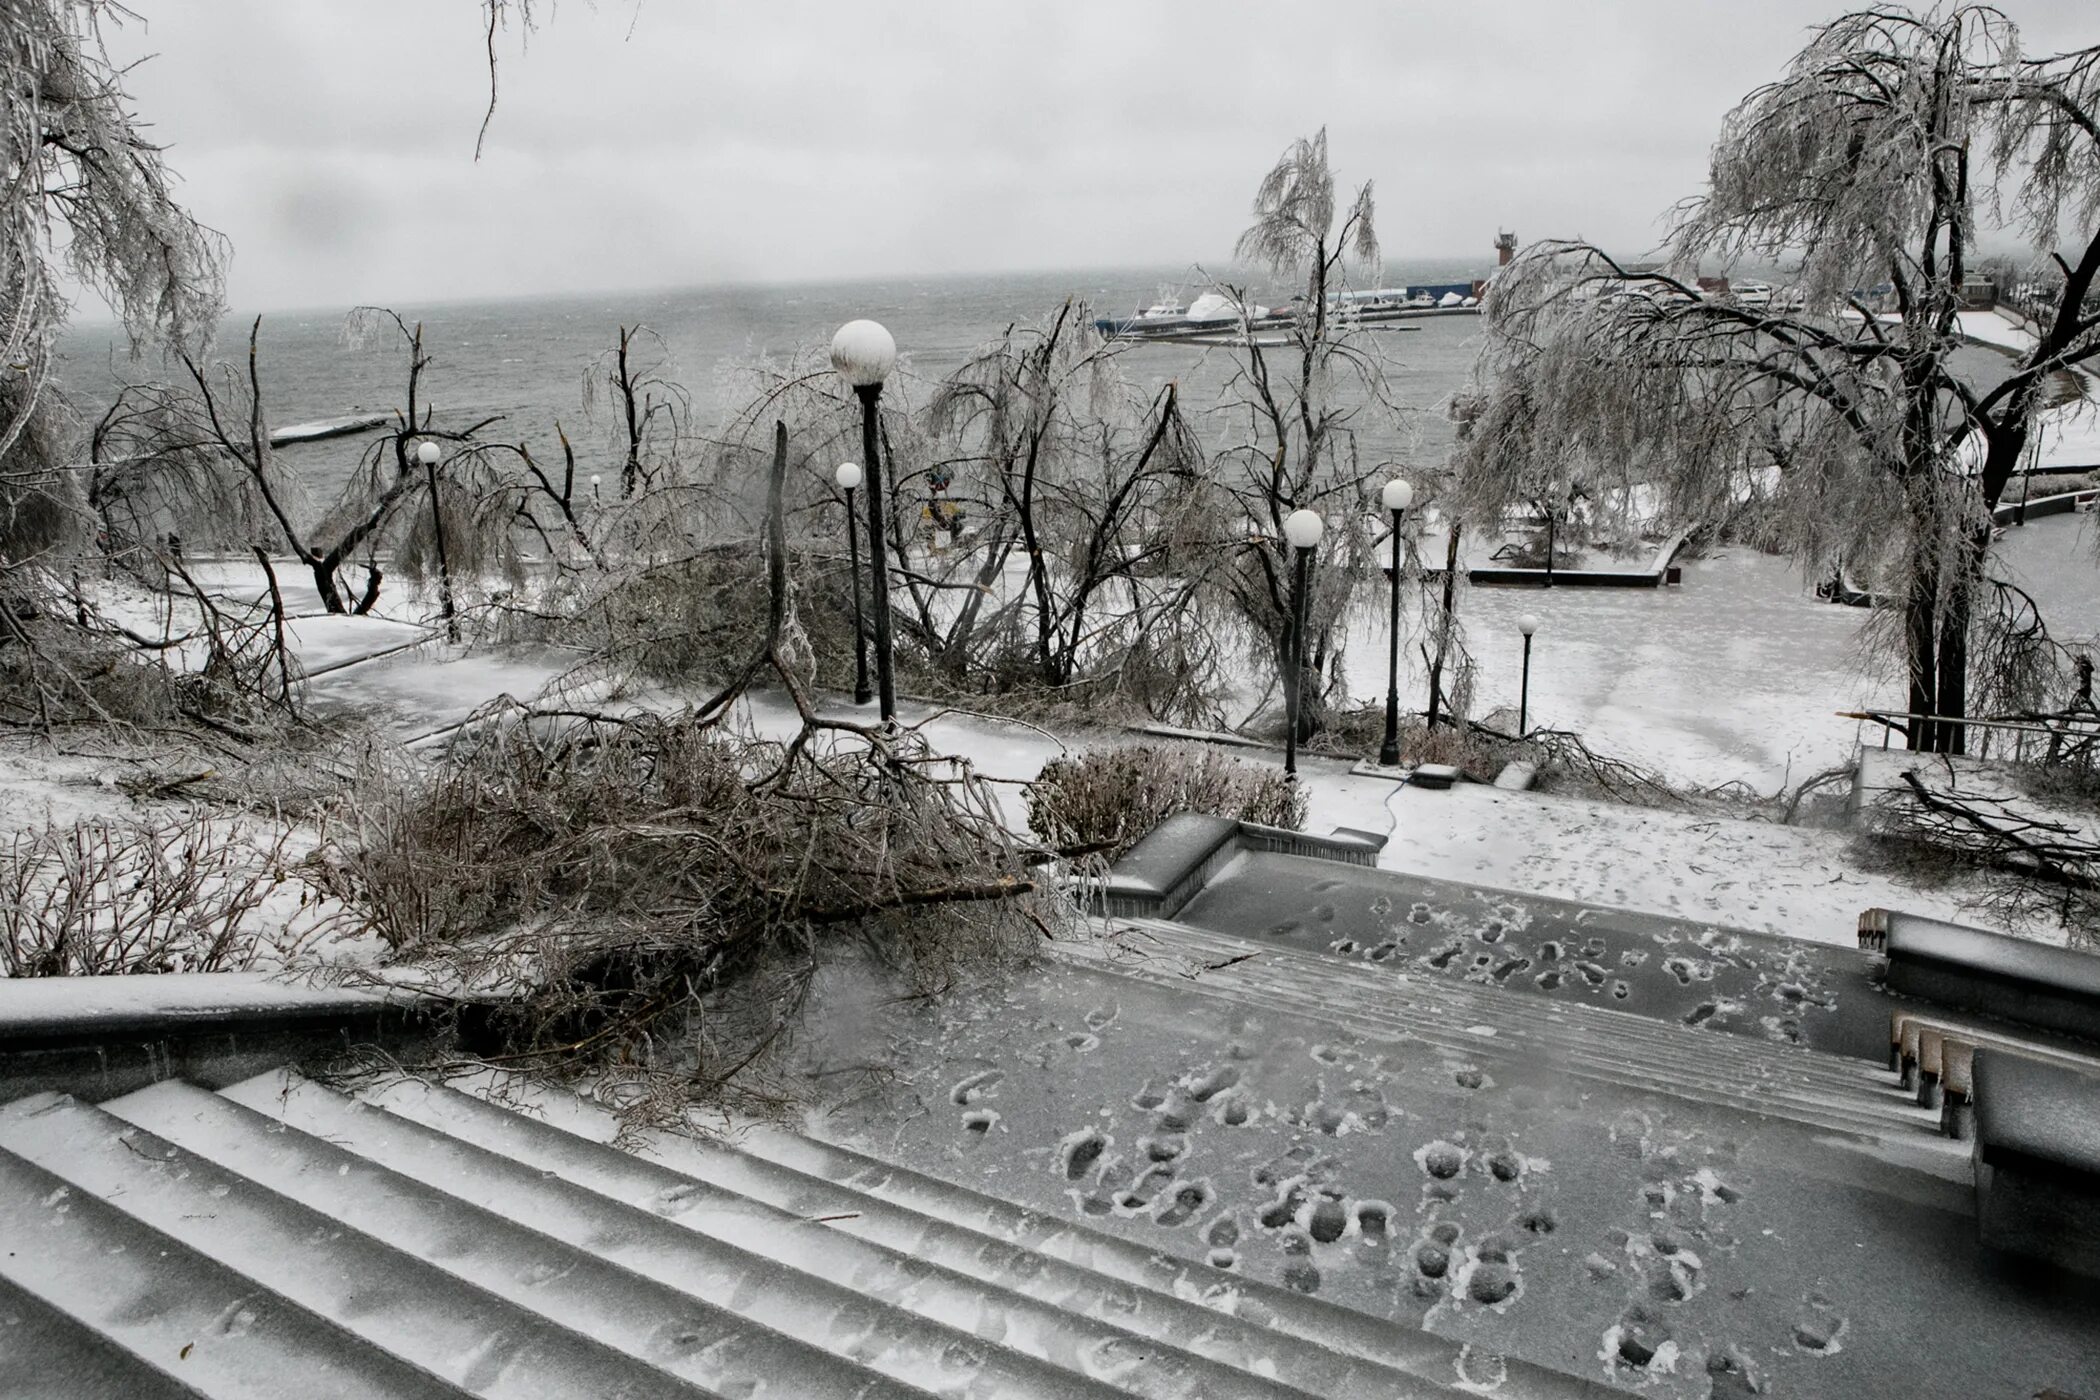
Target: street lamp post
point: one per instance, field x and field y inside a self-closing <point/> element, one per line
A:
<point x="1527" y="624"/>
<point x="1397" y="496"/>
<point x="848" y="478"/>
<point x="1301" y="528"/>
<point x="864" y="353"/>
<point x="594" y="488"/>
<point x="427" y="453"/>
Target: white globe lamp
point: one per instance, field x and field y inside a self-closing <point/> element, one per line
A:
<point x="1302" y="528"/>
<point x="864" y="353"/>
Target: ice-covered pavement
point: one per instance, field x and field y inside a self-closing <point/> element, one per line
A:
<point x="1737" y="674"/>
<point x="1741" y="874"/>
<point x="1801" y="882"/>
<point x="1440" y="1167"/>
<point x="2069" y="434"/>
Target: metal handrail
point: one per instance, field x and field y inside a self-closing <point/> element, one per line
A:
<point x="2077" y="728"/>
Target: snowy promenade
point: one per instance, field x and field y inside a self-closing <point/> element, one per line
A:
<point x="1754" y="875"/>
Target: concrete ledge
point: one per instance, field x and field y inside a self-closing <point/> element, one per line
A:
<point x="1517" y="775"/>
<point x="2038" y="1160"/>
<point x="1934" y="1055"/>
<point x="98" y="1037"/>
<point x="1974" y="969"/>
<point x="2061" y="503"/>
<point x="1174" y="860"/>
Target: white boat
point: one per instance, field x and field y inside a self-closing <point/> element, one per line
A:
<point x="1167" y="308"/>
<point x="1755" y="295"/>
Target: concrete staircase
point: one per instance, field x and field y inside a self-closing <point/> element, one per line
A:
<point x="1829" y="1092"/>
<point x="281" y="1238"/>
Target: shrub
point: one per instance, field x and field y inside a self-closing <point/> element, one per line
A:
<point x="654" y="894"/>
<point x="182" y="894"/>
<point x="1106" y="799"/>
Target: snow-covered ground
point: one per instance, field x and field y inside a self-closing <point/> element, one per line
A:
<point x="1744" y="874"/>
<point x="2070" y="433"/>
<point x="1736" y="674"/>
<point x="1797" y="881"/>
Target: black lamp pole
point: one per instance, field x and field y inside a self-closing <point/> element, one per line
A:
<point x="878" y="553"/>
<point x="1294" y="660"/>
<point x="861" y="693"/>
<point x="1524" y="686"/>
<point x="1389" y="751"/>
<point x="427" y="452"/>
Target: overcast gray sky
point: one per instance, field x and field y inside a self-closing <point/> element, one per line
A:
<point x="675" y="142"/>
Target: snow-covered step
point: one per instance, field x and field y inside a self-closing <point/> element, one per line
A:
<point x="119" y="1308"/>
<point x="429" y="1317"/>
<point x="1749" y="1059"/>
<point x="691" y="1332"/>
<point x="38" y="1342"/>
<point x="1610" y="1046"/>
<point x="1320" y="1324"/>
<point x="906" y="1317"/>
<point x="1735" y="1068"/>
<point x="1044" y="1305"/>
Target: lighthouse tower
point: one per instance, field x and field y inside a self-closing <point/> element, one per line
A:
<point x="1505" y="248"/>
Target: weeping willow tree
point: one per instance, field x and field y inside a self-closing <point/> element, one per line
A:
<point x="1840" y="414"/>
<point x="1292" y="410"/>
<point x="87" y="195"/>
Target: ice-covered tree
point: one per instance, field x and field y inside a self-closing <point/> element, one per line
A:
<point x="1891" y="143"/>
<point x="1291" y="415"/>
<point x="87" y="195"/>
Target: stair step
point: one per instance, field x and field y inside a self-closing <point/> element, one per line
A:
<point x="869" y="1183"/>
<point x="420" y="1313"/>
<point x="1391" y="988"/>
<point x="1589" y="1041"/>
<point x="561" y="1134"/>
<point x="693" y="1332"/>
<point x="956" y="1330"/>
<point x="1840" y="1111"/>
<point x="114" y="1302"/>
<point x="38" y="1342"/>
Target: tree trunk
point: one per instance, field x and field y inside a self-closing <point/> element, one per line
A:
<point x="1444" y="625"/>
<point x="1954" y="640"/>
<point x="1921" y="637"/>
<point x="324" y="583"/>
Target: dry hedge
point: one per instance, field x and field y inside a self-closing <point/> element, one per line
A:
<point x="650" y="894"/>
<point x="1105" y="799"/>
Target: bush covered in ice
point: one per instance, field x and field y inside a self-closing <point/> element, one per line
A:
<point x="1105" y="799"/>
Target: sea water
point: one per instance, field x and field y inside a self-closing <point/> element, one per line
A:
<point x="523" y="361"/>
<point x="1735" y="674"/>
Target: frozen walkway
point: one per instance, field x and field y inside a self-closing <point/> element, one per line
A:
<point x="421" y="1242"/>
<point x="1801" y="882"/>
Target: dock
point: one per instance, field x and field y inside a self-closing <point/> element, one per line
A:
<point x="322" y="428"/>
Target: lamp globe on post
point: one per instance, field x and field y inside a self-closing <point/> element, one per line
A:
<point x="864" y="354"/>
<point x="594" y="488"/>
<point x="1301" y="530"/>
<point x="1397" y="495"/>
<point x="427" y="453"/>
<point x="1527" y="624"/>
<point x="848" y="477"/>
